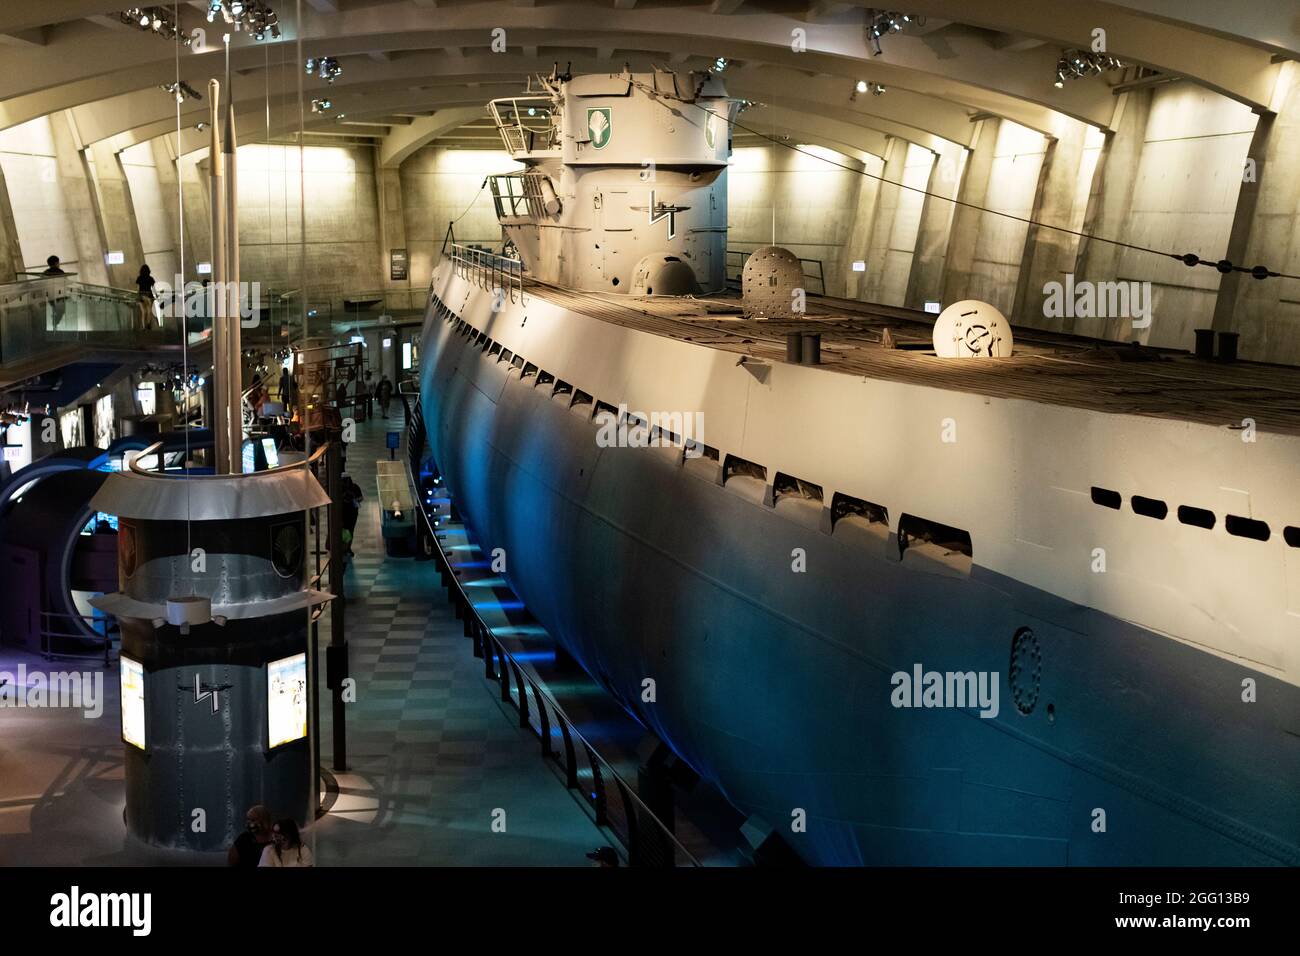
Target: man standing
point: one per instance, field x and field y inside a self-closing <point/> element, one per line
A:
<point x="384" y="392"/>
<point x="59" y="303"/>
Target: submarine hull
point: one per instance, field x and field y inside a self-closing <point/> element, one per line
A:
<point x="1111" y="744"/>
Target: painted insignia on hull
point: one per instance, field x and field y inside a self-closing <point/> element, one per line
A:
<point x="600" y="125"/>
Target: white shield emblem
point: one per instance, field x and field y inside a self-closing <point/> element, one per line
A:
<point x="600" y="125"/>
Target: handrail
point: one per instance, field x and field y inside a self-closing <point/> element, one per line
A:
<point x="487" y="645"/>
<point x="152" y="449"/>
<point x="489" y="270"/>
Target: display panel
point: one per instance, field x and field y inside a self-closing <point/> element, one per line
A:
<point x="286" y="700"/>
<point x="250" y="458"/>
<point x="272" y="455"/>
<point x="132" y="673"/>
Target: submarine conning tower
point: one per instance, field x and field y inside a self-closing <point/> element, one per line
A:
<point x="625" y="181"/>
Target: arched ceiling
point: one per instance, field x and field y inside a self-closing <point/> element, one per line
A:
<point x="418" y="70"/>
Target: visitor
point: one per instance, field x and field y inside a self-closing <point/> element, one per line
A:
<point x="384" y="392"/>
<point x="350" y="493"/>
<point x="285" y="386"/>
<point x="286" y="847"/>
<point x="248" y="846"/>
<point x="145" y="283"/>
<point x="58" y="304"/>
<point x="367" y="395"/>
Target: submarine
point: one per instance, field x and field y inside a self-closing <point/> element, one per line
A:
<point x="907" y="592"/>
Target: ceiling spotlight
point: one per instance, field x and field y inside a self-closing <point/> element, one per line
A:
<point x="880" y="22"/>
<point x="862" y="86"/>
<point x="1077" y="64"/>
<point x="321" y="106"/>
<point x="200" y="126"/>
<point x="326" y="67"/>
<point x="719" y="65"/>
<point x="182" y="91"/>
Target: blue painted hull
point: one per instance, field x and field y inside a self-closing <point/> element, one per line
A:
<point x="776" y="684"/>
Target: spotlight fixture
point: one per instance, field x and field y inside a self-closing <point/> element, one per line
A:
<point x="326" y="67"/>
<point x="719" y="65"/>
<point x="881" y="22"/>
<point x="155" y="20"/>
<point x="321" y="106"/>
<point x="863" y="86"/>
<point x="182" y="91"/>
<point x="200" y="126"/>
<point x="1077" y="64"/>
<point x="246" y="16"/>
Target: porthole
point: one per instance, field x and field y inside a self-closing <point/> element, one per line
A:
<point x="1107" y="498"/>
<point x="1246" y="527"/>
<point x="1026" y="670"/>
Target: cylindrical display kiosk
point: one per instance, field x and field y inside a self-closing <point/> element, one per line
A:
<point x="214" y="610"/>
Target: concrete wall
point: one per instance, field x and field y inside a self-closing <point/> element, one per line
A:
<point x="439" y="185"/>
<point x="802" y="200"/>
<point x="1168" y="177"/>
<point x="36" y="195"/>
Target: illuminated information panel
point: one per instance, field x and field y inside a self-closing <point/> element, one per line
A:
<point x="132" y="702"/>
<point x="286" y="700"/>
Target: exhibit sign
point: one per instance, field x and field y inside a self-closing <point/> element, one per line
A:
<point x="286" y="700"/>
<point x="397" y="265"/>
<point x="132" y="674"/>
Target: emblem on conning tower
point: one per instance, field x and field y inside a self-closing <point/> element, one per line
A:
<point x="708" y="130"/>
<point x="600" y="125"/>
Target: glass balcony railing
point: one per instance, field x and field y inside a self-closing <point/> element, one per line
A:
<point x="40" y="315"/>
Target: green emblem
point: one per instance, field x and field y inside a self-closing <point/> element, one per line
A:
<point x="600" y="124"/>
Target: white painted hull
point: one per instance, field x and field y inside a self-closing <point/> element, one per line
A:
<point x="776" y="685"/>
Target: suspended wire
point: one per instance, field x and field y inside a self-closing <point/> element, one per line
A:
<point x="1187" y="258"/>
<point x="185" y="332"/>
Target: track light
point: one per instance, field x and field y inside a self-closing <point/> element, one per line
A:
<point x="1077" y="64"/>
<point x="182" y="91"/>
<point x="250" y="16"/>
<point x="881" y="22"/>
<point x="321" y="106"/>
<point x="326" y="67"/>
<point x="719" y="65"/>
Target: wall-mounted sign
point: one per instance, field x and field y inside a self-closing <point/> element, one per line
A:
<point x="286" y="700"/>
<point x="132" y="701"/>
<point x="406" y="355"/>
<point x="204" y="268"/>
<point x="397" y="265"/>
<point x="934" y="307"/>
<point x="114" y="258"/>
<point x="859" y="265"/>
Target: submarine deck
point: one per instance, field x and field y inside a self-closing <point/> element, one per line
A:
<point x="1050" y="367"/>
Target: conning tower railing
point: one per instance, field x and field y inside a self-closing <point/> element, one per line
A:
<point x="527" y="124"/>
<point x="488" y="270"/>
<point x="613" y="801"/>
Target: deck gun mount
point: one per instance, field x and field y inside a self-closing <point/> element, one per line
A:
<point x="625" y="181"/>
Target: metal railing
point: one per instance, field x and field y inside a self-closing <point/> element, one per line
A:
<point x="490" y="271"/>
<point x="812" y="269"/>
<point x="41" y="314"/>
<point x="612" y="800"/>
<point x="526" y="123"/>
<point x="60" y="627"/>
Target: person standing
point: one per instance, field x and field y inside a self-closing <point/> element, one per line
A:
<point x="145" y="283"/>
<point x="59" y="303"/>
<point x="368" y="394"/>
<point x="286" y="847"/>
<point x="247" y="849"/>
<point x="384" y="392"/>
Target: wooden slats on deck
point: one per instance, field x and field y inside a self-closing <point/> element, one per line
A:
<point x="1047" y="367"/>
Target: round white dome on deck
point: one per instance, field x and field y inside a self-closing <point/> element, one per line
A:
<point x="768" y="282"/>
<point x="662" y="273"/>
<point x="972" y="329"/>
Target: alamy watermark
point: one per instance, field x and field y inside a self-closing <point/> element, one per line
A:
<point x="1098" y="300"/>
<point x="196" y="300"/>
<point x="959" y="689"/>
<point x="653" y="430"/>
<point x="74" y="690"/>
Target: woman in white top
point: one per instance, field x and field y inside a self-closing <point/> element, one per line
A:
<point x="286" y="847"/>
